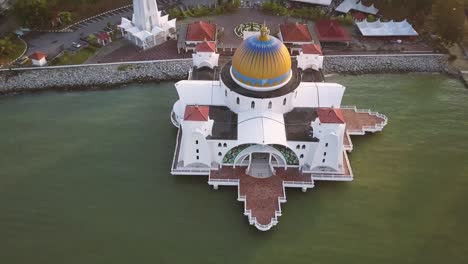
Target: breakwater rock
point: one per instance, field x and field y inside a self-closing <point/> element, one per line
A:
<point x="385" y="64"/>
<point x="81" y="77"/>
<point x="94" y="75"/>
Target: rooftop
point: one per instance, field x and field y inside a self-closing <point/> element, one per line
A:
<point x="225" y="123"/>
<point x="201" y="31"/>
<point x="297" y="124"/>
<point x="295" y="32"/>
<point x="196" y="113"/>
<point x="331" y="31"/>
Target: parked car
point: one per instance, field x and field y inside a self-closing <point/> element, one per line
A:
<point x="76" y="45"/>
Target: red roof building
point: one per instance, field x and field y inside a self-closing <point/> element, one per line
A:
<point x="330" y="116"/>
<point x="38" y="56"/>
<point x="196" y="113"/>
<point x="295" y="32"/>
<point x="311" y="49"/>
<point x="103" y="36"/>
<point x="359" y="16"/>
<point x="201" y="31"/>
<point x="206" y="46"/>
<point x="331" y="31"/>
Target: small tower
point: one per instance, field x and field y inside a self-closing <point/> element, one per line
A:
<point x="205" y="55"/>
<point x="329" y="129"/>
<point x="147" y="28"/>
<point x="310" y="57"/>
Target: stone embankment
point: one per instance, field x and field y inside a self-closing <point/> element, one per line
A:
<point x="110" y="75"/>
<point x="91" y="76"/>
<point x="366" y="64"/>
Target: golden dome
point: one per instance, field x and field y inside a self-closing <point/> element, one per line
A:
<point x="261" y="62"/>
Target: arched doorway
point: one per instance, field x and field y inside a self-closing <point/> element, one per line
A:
<point x="261" y="160"/>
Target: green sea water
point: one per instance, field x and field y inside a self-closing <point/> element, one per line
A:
<point x="84" y="178"/>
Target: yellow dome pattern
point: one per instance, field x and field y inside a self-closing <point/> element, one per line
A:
<point x="262" y="62"/>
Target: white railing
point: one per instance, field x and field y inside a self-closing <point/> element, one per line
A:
<point x="223" y="181"/>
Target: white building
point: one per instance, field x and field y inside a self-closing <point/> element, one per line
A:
<point x="310" y="57"/>
<point x="205" y="55"/>
<point x="261" y="128"/>
<point x="147" y="28"/>
<point x="348" y="5"/>
<point x="38" y="59"/>
<point x="386" y="29"/>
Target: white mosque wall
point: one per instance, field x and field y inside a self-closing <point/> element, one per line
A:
<point x="303" y="150"/>
<point x="239" y="103"/>
<point x="222" y="147"/>
<point x="319" y="95"/>
<point x="194" y="149"/>
<point x="205" y="59"/>
<point x="309" y="61"/>
<point x="199" y="93"/>
<point x="329" y="150"/>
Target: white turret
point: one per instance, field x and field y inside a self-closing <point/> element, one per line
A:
<point x="147" y="28"/>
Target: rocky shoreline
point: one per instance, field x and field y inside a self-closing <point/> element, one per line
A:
<point x="107" y="76"/>
<point x="385" y="64"/>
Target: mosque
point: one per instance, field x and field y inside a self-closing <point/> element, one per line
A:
<point x="261" y="126"/>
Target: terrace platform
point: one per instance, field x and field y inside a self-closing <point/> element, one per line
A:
<point x="359" y="122"/>
<point x="262" y="197"/>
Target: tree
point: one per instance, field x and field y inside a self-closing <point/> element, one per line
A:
<point x="33" y="12"/>
<point x="6" y="46"/>
<point x="92" y="39"/>
<point x="448" y="20"/>
<point x="371" y="18"/>
<point x="65" y="17"/>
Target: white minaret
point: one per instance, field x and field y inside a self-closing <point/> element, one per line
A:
<point x="146" y="15"/>
<point x="147" y="28"/>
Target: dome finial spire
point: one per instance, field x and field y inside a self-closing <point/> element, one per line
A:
<point x="264" y="33"/>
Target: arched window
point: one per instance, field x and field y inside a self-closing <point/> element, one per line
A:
<point x="284" y="101"/>
<point x="225" y="93"/>
<point x="196" y="142"/>
<point x="298" y="146"/>
<point x="302" y="156"/>
<point x="303" y="146"/>
<point x="219" y="144"/>
<point x="198" y="151"/>
<point x="225" y="145"/>
<point x="326" y="144"/>
<point x="252" y="105"/>
<point x="238" y="100"/>
<point x="323" y="161"/>
<point x="324" y="154"/>
<point x="220" y="154"/>
<point x="198" y="157"/>
<point x="270" y="105"/>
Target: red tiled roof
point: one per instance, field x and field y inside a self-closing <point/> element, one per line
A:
<point x="295" y="32"/>
<point x="103" y="36"/>
<point x="331" y="31"/>
<point x="330" y="116"/>
<point x="206" y="47"/>
<point x="38" y="55"/>
<point x="311" y="49"/>
<point x="359" y="16"/>
<point x="200" y="31"/>
<point x="196" y="113"/>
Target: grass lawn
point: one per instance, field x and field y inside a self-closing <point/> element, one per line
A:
<point x="18" y="50"/>
<point x="72" y="59"/>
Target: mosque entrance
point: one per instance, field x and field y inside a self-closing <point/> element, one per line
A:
<point x="261" y="160"/>
<point x="260" y="165"/>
